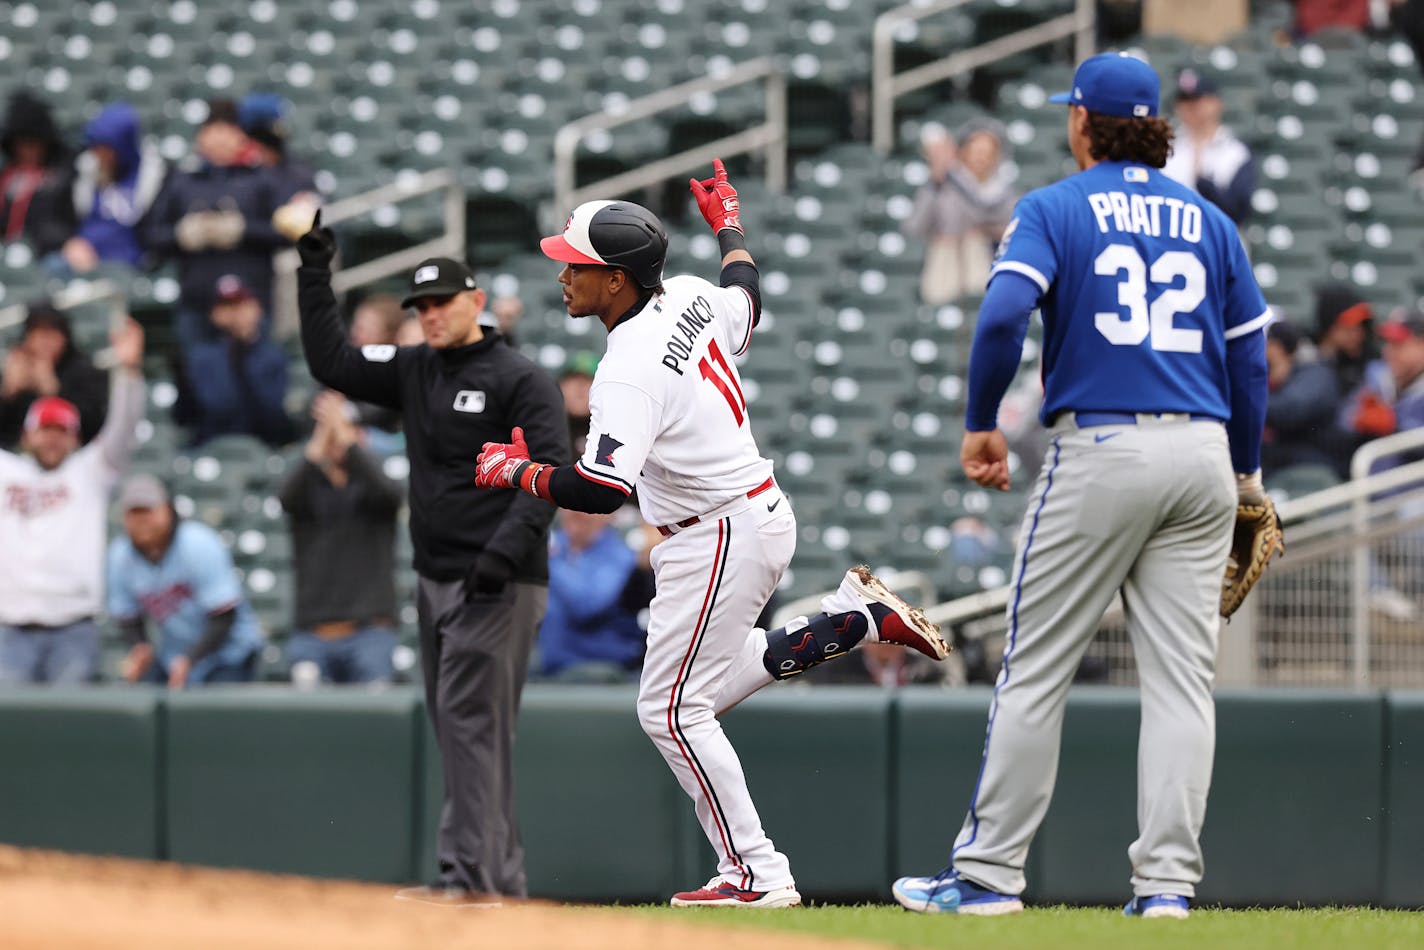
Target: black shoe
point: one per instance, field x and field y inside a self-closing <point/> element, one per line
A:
<point x="445" y="894"/>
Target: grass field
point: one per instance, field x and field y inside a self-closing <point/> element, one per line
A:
<point x="1065" y="928"/>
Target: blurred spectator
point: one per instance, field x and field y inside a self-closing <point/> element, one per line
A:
<point x="1343" y="321"/>
<point x="238" y="382"/>
<point x="375" y="322"/>
<point x="179" y="575"/>
<point x="962" y="210"/>
<point x="33" y="154"/>
<point x="95" y="212"/>
<point x="1304" y="398"/>
<point x="574" y="383"/>
<point x="1391" y="399"/>
<point x="53" y="517"/>
<point x="1314" y="15"/>
<point x="214" y="217"/>
<point x="342" y="509"/>
<point x="1207" y="155"/>
<point x="45" y="362"/>
<point x="410" y="333"/>
<point x="507" y="311"/>
<point x="263" y="117"/>
<point x="587" y="623"/>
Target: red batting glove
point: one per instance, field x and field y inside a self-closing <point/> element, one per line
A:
<point x="717" y="199"/>
<point x="499" y="465"/>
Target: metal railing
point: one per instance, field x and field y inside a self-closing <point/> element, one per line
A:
<point x="768" y="136"/>
<point x="450" y="243"/>
<point x="886" y="85"/>
<point x="77" y="293"/>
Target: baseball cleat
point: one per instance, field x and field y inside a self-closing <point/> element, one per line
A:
<point x="896" y="622"/>
<point x="718" y="892"/>
<point x="1158" y="905"/>
<point x="948" y="893"/>
<point x="447" y="895"/>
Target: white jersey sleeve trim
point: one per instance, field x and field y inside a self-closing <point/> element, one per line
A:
<point x="1250" y="326"/>
<point x="1018" y="267"/>
<point x="603" y="478"/>
<point x="746" y="344"/>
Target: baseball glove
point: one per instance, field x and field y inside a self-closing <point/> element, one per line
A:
<point x="1255" y="540"/>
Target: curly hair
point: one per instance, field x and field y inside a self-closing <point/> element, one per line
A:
<point x="1113" y="139"/>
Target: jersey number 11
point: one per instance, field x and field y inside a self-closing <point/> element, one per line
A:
<point x="726" y="381"/>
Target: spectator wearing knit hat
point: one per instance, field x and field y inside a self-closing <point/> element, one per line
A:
<point x="1304" y="397"/>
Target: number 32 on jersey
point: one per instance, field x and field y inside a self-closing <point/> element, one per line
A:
<point x="1122" y="261"/>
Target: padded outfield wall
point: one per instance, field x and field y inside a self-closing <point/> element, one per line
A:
<point x="1317" y="795"/>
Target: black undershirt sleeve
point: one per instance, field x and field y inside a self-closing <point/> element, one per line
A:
<point x="571" y="490"/>
<point x="745" y="275"/>
<point x="215" y="633"/>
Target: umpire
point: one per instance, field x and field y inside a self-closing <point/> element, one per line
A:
<point x="481" y="557"/>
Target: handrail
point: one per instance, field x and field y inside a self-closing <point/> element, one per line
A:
<point x="886" y="85"/>
<point x="449" y="244"/>
<point x="768" y="137"/>
<point x="77" y="293"/>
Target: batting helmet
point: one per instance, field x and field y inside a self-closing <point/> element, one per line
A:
<point x="614" y="234"/>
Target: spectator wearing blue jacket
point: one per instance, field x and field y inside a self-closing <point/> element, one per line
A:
<point x="237" y="383"/>
<point x="214" y="217"/>
<point x="95" y="213"/>
<point x="1206" y="155"/>
<point x="179" y="576"/>
<point x="263" y="117"/>
<point x="1300" y="411"/>
<point x="587" y="622"/>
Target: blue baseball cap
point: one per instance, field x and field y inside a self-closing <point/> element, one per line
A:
<point x="1114" y="84"/>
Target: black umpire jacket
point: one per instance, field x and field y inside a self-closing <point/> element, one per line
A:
<point x="452" y="402"/>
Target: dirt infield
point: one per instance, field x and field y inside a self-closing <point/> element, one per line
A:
<point x="52" y="901"/>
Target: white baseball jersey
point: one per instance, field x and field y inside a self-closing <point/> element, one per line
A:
<point x="52" y="523"/>
<point x="668" y="413"/>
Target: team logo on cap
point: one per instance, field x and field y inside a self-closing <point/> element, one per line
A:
<point x="426" y="274"/>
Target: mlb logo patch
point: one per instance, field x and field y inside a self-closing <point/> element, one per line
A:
<point x="1141" y="111"/>
<point x="426" y="274"/>
<point x="379" y="352"/>
<point x="1134" y="174"/>
<point x="470" y="400"/>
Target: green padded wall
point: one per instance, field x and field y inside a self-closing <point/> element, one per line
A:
<point x="1080" y="853"/>
<point x="319" y="783"/>
<point x="1404" y="794"/>
<point x="80" y="769"/>
<point x="599" y="812"/>
<point x="818" y="762"/>
<point x="939" y="741"/>
<point x="1297" y="798"/>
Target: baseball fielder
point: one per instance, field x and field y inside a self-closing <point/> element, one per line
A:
<point x="669" y="417"/>
<point x="1154" y="391"/>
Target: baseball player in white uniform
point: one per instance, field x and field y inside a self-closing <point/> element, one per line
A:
<point x="670" y="418"/>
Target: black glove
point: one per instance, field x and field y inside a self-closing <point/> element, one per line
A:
<point x="489" y="575"/>
<point x="318" y="246"/>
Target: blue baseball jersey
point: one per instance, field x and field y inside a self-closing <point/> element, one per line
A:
<point x="1143" y="283"/>
<point x="194" y="578"/>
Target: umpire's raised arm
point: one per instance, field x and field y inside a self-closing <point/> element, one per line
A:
<point x="369" y="373"/>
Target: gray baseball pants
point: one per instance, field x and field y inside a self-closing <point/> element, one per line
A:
<point x="1147" y="509"/>
<point x="475" y="655"/>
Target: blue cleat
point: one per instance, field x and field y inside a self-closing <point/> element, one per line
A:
<point x="948" y="893"/>
<point x="1158" y="905"/>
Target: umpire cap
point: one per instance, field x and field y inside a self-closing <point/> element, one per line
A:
<point x="438" y="277"/>
<point x="613" y="234"/>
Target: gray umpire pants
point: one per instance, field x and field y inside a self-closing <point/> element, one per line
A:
<point x="1149" y="509"/>
<point x="474" y="655"/>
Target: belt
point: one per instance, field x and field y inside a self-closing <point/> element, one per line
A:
<point x="50" y="627"/>
<point x="1087" y="420"/>
<point x="668" y="530"/>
